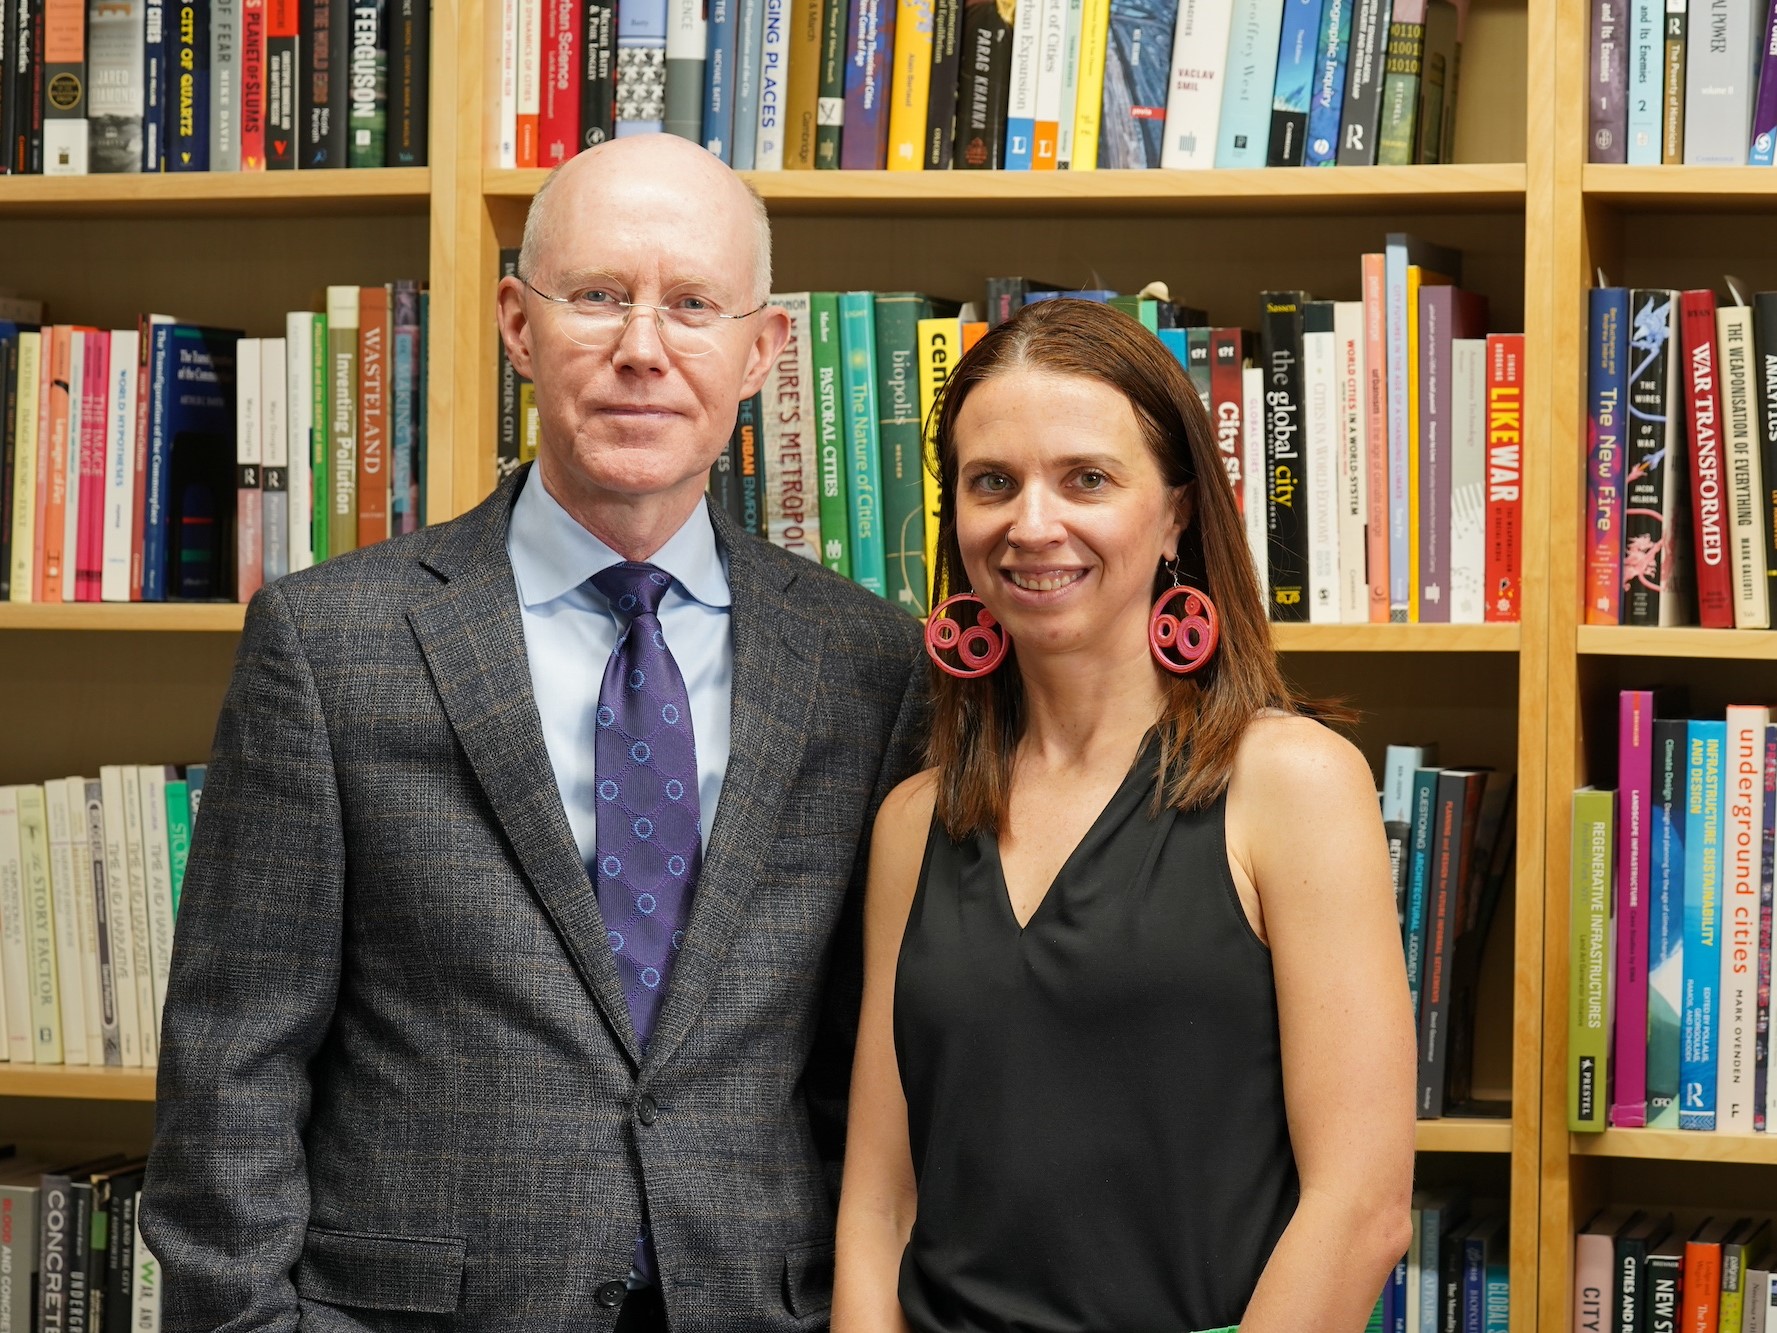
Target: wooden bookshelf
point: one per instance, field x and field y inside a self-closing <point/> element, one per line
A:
<point x="148" y="617"/>
<point x="1463" y="1136"/>
<point x="219" y="194"/>
<point x="1395" y="638"/>
<point x="61" y="1083"/>
<point x="1677" y="1145"/>
<point x="1681" y="189"/>
<point x="1677" y="641"/>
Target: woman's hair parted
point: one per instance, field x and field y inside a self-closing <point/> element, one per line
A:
<point x="977" y="723"/>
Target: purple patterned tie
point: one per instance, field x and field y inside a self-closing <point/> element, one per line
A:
<point x="648" y="841"/>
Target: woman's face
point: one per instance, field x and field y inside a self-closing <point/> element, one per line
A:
<point x="1061" y="511"/>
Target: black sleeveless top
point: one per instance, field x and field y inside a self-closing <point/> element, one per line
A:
<point x="1095" y="1103"/>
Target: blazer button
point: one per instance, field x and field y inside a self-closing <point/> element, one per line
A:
<point x="611" y="1294"/>
<point x="647" y="1110"/>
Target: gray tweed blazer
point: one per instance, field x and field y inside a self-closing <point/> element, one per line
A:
<point x="399" y="1088"/>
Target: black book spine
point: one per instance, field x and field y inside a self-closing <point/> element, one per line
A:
<point x="53" y="1243"/>
<point x="725" y="477"/>
<point x="283" y="80"/>
<point x="1665" y="1284"/>
<point x="120" y="1257"/>
<point x="1362" y="111"/>
<point x="1647" y="546"/>
<point x="947" y="31"/>
<point x="506" y="440"/>
<point x="154" y="86"/>
<point x="1764" y="341"/>
<point x="1453" y="838"/>
<point x="80" y="1221"/>
<point x="598" y="81"/>
<point x="1286" y="497"/>
<point x="410" y="46"/>
<point x="751" y="467"/>
<point x="829" y="120"/>
<point x="188" y="89"/>
<point x="1630" y="1281"/>
<point x="28" y="127"/>
<point x="8" y="79"/>
<point x="984" y="79"/>
<point x="316" y="77"/>
<point x="1197" y="361"/>
<point x="9" y="393"/>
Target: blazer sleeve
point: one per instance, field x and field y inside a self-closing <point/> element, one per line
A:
<point x="255" y="974"/>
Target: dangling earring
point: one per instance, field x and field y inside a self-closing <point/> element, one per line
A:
<point x="1183" y="643"/>
<point x="980" y="648"/>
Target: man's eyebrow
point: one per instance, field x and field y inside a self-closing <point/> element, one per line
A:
<point x="593" y="273"/>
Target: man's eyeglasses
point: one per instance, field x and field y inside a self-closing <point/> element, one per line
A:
<point x="596" y="318"/>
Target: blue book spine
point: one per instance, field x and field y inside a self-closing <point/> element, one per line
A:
<point x="1499" y="1297"/>
<point x="1294" y="83"/>
<point x="1329" y="85"/>
<point x="1474" y="1284"/>
<point x="1607" y="342"/>
<point x="1702" y="925"/>
<point x="1175" y="341"/>
<point x="1665" y="942"/>
<point x="641" y="67"/>
<point x="1137" y="73"/>
<point x="718" y="88"/>
<point x="154" y="518"/>
<point x="188" y="88"/>
<point x="154" y="85"/>
<point x="1425" y="793"/>
<point x="870" y="38"/>
<point x="857" y="347"/>
<point x="749" y="44"/>
<point x="1397" y="1288"/>
<point x="1647" y="87"/>
<point x="406" y="375"/>
<point x="1245" y="128"/>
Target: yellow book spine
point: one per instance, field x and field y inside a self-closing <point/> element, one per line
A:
<point x="940" y="347"/>
<point x="528" y="425"/>
<point x="40" y="928"/>
<point x="1095" y="24"/>
<point x="802" y="57"/>
<point x="910" y="90"/>
<point x="24" y="468"/>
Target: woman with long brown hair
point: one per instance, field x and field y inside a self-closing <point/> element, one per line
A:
<point x="1135" y="1050"/>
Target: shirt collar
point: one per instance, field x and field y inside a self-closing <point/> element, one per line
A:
<point x="552" y="554"/>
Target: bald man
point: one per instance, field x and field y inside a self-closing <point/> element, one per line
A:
<point x="516" y="971"/>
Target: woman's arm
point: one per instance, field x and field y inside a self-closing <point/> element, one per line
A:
<point x="876" y="1201"/>
<point x="1305" y="838"/>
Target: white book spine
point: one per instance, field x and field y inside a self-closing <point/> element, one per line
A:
<point x="76" y="428"/>
<point x="1742" y="845"/>
<point x="120" y="469"/>
<point x="508" y="77"/>
<point x="135" y="865"/>
<point x="274" y="445"/>
<point x="145" y="1290"/>
<point x="105" y="1007"/>
<point x="1348" y="344"/>
<point x="299" y="413"/>
<point x="1050" y="43"/>
<point x="1319" y="389"/>
<point x="1721" y="66"/>
<point x="65" y="147"/>
<point x="1070" y="84"/>
<point x="157" y="864"/>
<point x="122" y="950"/>
<point x="40" y="931"/>
<point x="1194" y="96"/>
<point x="768" y="147"/>
<point x="86" y="920"/>
<point x="792" y="486"/>
<point x="1740" y="453"/>
<point x="15" y="993"/>
<point x="1252" y="416"/>
<point x="70" y="992"/>
<point x="1468" y="481"/>
<point x="1021" y="100"/>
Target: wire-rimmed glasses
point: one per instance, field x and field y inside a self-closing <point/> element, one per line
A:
<point x="595" y="317"/>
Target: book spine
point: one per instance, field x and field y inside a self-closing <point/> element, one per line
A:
<point x="95" y="426"/>
<point x="1702" y="927"/>
<point x="791" y="487"/>
<point x="1608" y="103"/>
<point x="1397" y="128"/>
<point x="1244" y="128"/>
<point x="1419" y="869"/>
<point x="281" y="79"/>
<point x="528" y="79"/>
<point x="598" y="74"/>
<point x="1137" y="66"/>
<point x="224" y="85"/>
<point x="749" y="35"/>
<point x="1436" y="310"/>
<point x="1635" y="782"/>
<point x="1320" y="470"/>
<point x="802" y="87"/>
<point x="827" y="361"/>
<point x="1646" y="70"/>
<point x="1194" y="98"/>
<point x="1665" y="1279"/>
<point x="857" y="331"/>
<point x="1021" y="94"/>
<point x="939" y="146"/>
<point x="1051" y="36"/>
<point x="910" y="85"/>
<point x="319" y="142"/>
<point x="940" y="348"/>
<point x="641" y="67"/>
<point x="1468" y="465"/>
<point x="1672" y="111"/>
<point x="1607" y="340"/>
<point x="1286" y="520"/>
<point x="1764" y="316"/>
<point x="1743" y="809"/>
<point x="768" y="152"/>
<point x="1292" y="87"/>
<point x="52" y="480"/>
<point x="404" y="403"/>
<point x="1365" y="70"/>
<point x="1095" y="21"/>
<point x="116" y="932"/>
<point x="1458" y="807"/>
<point x="830" y="98"/>
<point x="372" y="479"/>
<point x="1375" y="407"/>
<point x="749" y="466"/>
<point x="367" y="85"/>
<point x="1718" y="84"/>
<point x="9" y="370"/>
<point x="1762" y="1099"/>
<point x="1747" y="496"/>
<point x="342" y="419"/>
<point x="1328" y="100"/>
<point x="410" y="82"/>
<point x="55" y="1253"/>
<point x="1764" y="108"/>
<point x="116" y="63"/>
<point x="687" y="48"/>
<point x="274" y="472"/>
<point x="252" y="90"/>
<point x="1227" y="358"/>
<point x="1648" y="572"/>
<point x="65" y="103"/>
<point x="19" y="1230"/>
<point x="1589" y="988"/>
<point x="120" y="450"/>
<point x="65" y="938"/>
<point x="984" y="87"/>
<point x="1715" y="592"/>
<point x="15" y="989"/>
<point x="558" y="131"/>
<point x="135" y="870"/>
<point x="1701" y="1286"/>
<point x="896" y="338"/>
<point x="320" y="441"/>
<point x="1068" y="108"/>
<point x="249" y="526"/>
<point x="1252" y="452"/>
<point x="155" y="502"/>
<point x="1505" y="471"/>
<point x="870" y="40"/>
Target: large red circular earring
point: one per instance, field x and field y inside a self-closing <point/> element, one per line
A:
<point x="979" y="648"/>
<point x="1184" y="643"/>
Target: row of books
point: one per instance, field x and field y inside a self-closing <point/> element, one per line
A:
<point x="1681" y="452"/>
<point x="90" y="872"/>
<point x="1667" y="88"/>
<point x="1636" y="1270"/>
<point x="212" y="85"/>
<point x="1452" y="833"/>
<point x="1035" y="85"/>
<point x="1669" y="994"/>
<point x="1455" y="1277"/>
<point x="76" y="1225"/>
<point x="175" y="461"/>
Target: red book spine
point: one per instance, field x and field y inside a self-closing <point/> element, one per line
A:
<point x="139" y="501"/>
<point x="95" y="422"/>
<point x="1227" y="360"/>
<point x="1505" y="476"/>
<point x="560" y="128"/>
<point x="373" y="435"/>
<point x="252" y="85"/>
<point x="1702" y="396"/>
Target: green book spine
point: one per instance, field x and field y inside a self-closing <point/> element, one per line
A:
<point x="857" y="342"/>
<point x="1589" y="962"/>
<point x="320" y="474"/>
<point x="835" y="504"/>
<point x="342" y="418"/>
<point x="178" y="833"/>
<point x="1400" y="94"/>
<point x="898" y="428"/>
<point x="829" y="116"/>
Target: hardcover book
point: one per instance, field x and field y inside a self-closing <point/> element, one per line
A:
<point x="1286" y="500"/>
<point x="986" y="72"/>
<point x="833" y="470"/>
<point x="1605" y="396"/>
<point x="1138" y="62"/>
<point x="1656" y="499"/>
<point x="1709" y="517"/>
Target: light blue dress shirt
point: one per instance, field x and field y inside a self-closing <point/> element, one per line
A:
<point x="570" y="632"/>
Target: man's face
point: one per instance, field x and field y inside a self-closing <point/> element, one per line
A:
<point x="639" y="416"/>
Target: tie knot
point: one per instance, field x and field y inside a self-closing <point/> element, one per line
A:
<point x="633" y="589"/>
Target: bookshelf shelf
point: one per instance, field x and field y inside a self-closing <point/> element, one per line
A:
<point x="219" y="194"/>
<point x="161" y="617"/>
<point x="1471" y="1136"/>
<point x="1293" y="191"/>
<point x="1725" y="644"/>
<point x="1677" y="1145"/>
<point x="1682" y="189"/>
<point x="55" y="1081"/>
<point x="1395" y="638"/>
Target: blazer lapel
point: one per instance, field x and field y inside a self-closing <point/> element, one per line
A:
<point x="472" y="636"/>
<point x="777" y="671"/>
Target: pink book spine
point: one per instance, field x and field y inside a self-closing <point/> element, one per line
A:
<point x="1593" y="1294"/>
<point x="95" y="402"/>
<point x="1635" y="784"/>
<point x="1375" y="407"/>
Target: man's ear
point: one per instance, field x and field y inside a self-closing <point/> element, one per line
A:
<point x="514" y="323"/>
<point x="773" y="333"/>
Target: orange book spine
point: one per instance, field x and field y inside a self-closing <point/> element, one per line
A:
<point x="1702" y="1287"/>
<point x="373" y="452"/>
<point x="53" y="466"/>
